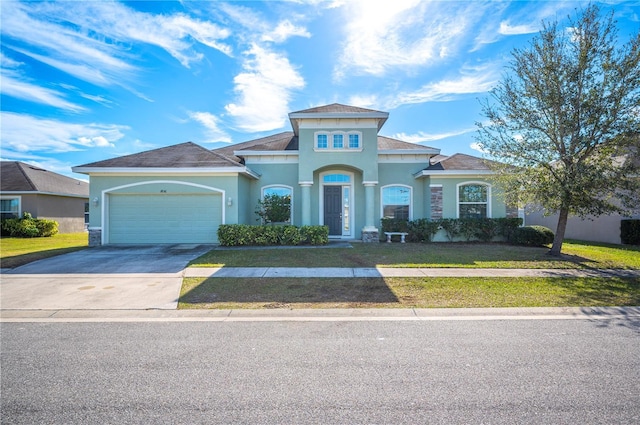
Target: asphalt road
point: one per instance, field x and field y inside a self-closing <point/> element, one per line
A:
<point x="443" y="372"/>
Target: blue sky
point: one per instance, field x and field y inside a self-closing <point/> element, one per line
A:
<point x="90" y="80"/>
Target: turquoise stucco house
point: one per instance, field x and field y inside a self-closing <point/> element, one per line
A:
<point x="338" y="169"/>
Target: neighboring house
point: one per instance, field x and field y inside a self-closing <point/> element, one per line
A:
<point x="43" y="194"/>
<point x="605" y="228"/>
<point x="338" y="170"/>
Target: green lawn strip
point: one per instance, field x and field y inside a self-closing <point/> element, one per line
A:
<point x="16" y="252"/>
<point x="466" y="255"/>
<point x="260" y="293"/>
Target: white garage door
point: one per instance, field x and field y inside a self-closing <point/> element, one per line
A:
<point x="147" y="219"/>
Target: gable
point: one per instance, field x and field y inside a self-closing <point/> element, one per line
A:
<point x="20" y="177"/>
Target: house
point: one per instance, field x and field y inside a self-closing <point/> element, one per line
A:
<point x="337" y="168"/>
<point x="43" y="194"/>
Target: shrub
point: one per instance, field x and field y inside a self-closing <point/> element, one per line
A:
<point x="486" y="229"/>
<point x="451" y="226"/>
<point x="532" y="236"/>
<point x="422" y="230"/>
<point x="28" y="227"/>
<point x="262" y="235"/>
<point x="506" y="226"/>
<point x="315" y="235"/>
<point x="630" y="231"/>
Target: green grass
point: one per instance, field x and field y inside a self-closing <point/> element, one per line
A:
<point x="16" y="252"/>
<point x="576" y="254"/>
<point x="257" y="293"/>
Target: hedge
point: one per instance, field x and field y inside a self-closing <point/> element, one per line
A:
<point x="532" y="236"/>
<point x="630" y="231"/>
<point x="28" y="227"/>
<point x="263" y="235"/>
<point x="423" y="230"/>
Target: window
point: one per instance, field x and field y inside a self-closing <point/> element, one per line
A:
<point x="86" y="213"/>
<point x="473" y="200"/>
<point x="354" y="141"/>
<point x="336" y="178"/>
<point x="276" y="200"/>
<point x="396" y="202"/>
<point x="322" y="142"/>
<point x="9" y="207"/>
<point x="338" y="141"/>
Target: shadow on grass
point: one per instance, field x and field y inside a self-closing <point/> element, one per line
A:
<point x="275" y="293"/>
<point x="21" y="260"/>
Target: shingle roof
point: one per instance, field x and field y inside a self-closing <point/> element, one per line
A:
<point x="20" y="177"/>
<point x="335" y="108"/>
<point x="286" y="141"/>
<point x="387" y="143"/>
<point x="183" y="155"/>
<point x="459" y="161"/>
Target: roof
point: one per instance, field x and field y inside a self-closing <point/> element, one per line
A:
<point x="337" y="108"/>
<point x="286" y="141"/>
<point x="389" y="144"/>
<point x="183" y="155"/>
<point x="459" y="161"/>
<point x="20" y="177"/>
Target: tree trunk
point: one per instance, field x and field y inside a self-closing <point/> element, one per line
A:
<point x="560" y="229"/>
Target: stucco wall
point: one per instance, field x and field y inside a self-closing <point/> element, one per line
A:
<point x="66" y="210"/>
<point x="605" y="228"/>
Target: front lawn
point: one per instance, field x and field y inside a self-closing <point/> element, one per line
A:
<point x="256" y="293"/>
<point x="16" y="252"/>
<point x="576" y="254"/>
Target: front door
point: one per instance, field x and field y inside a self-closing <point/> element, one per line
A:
<point x="333" y="209"/>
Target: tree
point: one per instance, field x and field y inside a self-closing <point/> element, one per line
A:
<point x="564" y="121"/>
<point x="274" y="208"/>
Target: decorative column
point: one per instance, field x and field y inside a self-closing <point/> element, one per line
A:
<point x="370" y="231"/>
<point x="305" y="188"/>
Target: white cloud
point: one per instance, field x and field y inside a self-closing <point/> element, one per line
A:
<point x="477" y="147"/>
<point x="26" y="133"/>
<point x="211" y="123"/>
<point x="508" y="29"/>
<point x="263" y="90"/>
<point x="364" y="101"/>
<point x="14" y="85"/>
<point x="284" y="30"/>
<point x="403" y="34"/>
<point x="92" y="40"/>
<point x="473" y="80"/>
<point x="421" y="136"/>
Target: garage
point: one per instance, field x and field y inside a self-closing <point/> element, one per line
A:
<point x="174" y="218"/>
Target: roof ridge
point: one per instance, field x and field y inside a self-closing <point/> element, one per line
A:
<point x="26" y="176"/>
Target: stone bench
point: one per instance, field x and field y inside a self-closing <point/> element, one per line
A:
<point x="389" y="234"/>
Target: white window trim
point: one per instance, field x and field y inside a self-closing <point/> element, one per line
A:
<point x="19" y="198"/>
<point x="479" y="183"/>
<point x="345" y="141"/>
<point x="286" y="187"/>
<point x="382" y="204"/>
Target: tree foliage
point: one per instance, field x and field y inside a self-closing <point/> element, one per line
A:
<point x="274" y="208"/>
<point x="564" y="121"/>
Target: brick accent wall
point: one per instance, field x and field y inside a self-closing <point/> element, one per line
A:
<point x="436" y="203"/>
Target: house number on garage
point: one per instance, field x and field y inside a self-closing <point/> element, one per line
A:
<point x="163" y="191"/>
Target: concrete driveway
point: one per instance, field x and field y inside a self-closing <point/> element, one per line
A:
<point x="102" y="278"/>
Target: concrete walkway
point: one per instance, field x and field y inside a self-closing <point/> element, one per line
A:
<point x="336" y="272"/>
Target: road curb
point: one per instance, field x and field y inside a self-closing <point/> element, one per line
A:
<point x="324" y="315"/>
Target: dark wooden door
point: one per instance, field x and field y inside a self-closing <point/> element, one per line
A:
<point x="333" y="209"/>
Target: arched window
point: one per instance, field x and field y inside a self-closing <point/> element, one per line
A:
<point x="396" y="202"/>
<point x="474" y="200"/>
<point x="284" y="192"/>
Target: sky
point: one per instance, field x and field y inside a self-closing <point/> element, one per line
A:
<point x="84" y="81"/>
